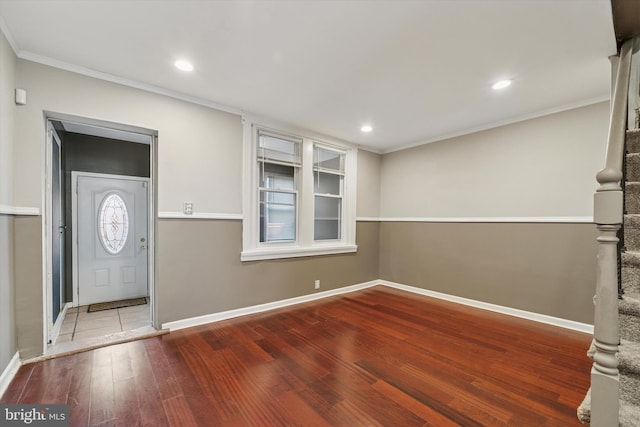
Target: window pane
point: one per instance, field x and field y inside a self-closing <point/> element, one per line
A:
<point x="113" y="223"/>
<point x="328" y="213"/>
<point x="278" y="149"/>
<point x="327" y="159"/>
<point x="276" y="176"/>
<point x="327" y="183"/>
<point x="277" y="216"/>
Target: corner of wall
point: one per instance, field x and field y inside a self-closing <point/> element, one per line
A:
<point x="8" y="331"/>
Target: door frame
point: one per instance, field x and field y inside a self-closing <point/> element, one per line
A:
<point x="52" y="329"/>
<point x="74" y="224"/>
<point x="152" y="207"/>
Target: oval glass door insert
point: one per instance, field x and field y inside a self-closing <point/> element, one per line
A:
<point x="113" y="223"/>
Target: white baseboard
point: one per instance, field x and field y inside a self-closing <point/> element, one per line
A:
<point x="9" y="372"/>
<point x="542" y="318"/>
<point x="216" y="317"/>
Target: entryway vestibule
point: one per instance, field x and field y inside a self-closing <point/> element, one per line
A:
<point x="99" y="226"/>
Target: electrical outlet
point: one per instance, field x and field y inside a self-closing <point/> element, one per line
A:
<point x="317" y="284"/>
<point x="188" y="208"/>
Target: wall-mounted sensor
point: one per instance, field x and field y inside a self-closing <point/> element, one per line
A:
<point x="21" y="97"/>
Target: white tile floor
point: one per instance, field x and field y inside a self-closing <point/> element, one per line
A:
<point x="81" y="329"/>
<point x="79" y="325"/>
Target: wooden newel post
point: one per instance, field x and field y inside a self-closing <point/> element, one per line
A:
<point x="608" y="216"/>
<point x="604" y="373"/>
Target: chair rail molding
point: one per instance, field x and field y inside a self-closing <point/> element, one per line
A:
<point x="19" y="210"/>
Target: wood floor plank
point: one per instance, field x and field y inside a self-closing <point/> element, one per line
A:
<point x="299" y="412"/>
<point x="165" y="381"/>
<point x="374" y="357"/>
<point x="432" y="417"/>
<point x="148" y="394"/>
<point x="102" y="407"/>
<point x="204" y="383"/>
<point x="17" y="387"/>
<point x="79" y="398"/>
<point x="36" y="385"/>
<point x="127" y="407"/>
<point x="434" y="397"/>
<point x="123" y="368"/>
<point x="347" y="414"/>
<point x="178" y="412"/>
<point x="57" y="389"/>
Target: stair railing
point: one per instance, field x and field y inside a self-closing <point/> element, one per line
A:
<point x="608" y="216"/>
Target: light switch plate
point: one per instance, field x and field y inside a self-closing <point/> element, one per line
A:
<point x="188" y="208"/>
<point x="21" y="97"/>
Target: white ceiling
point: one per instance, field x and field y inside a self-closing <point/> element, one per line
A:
<point x="418" y="71"/>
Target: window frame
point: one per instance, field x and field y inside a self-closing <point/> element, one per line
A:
<point x="304" y="245"/>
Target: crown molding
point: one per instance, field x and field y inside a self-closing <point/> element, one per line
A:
<point x="51" y="62"/>
<point x="500" y="123"/>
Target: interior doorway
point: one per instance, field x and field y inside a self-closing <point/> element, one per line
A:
<point x="100" y="232"/>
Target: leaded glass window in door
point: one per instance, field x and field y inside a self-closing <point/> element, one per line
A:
<point x="113" y="223"/>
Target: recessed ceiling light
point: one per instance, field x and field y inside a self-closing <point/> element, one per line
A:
<point x="183" y="65"/>
<point x="501" y="84"/>
<point x="366" y="128"/>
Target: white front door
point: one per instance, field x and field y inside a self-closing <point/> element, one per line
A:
<point x="112" y="227"/>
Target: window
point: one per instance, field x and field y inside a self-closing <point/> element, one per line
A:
<point x="299" y="195"/>
<point x="328" y="173"/>
<point x="278" y="163"/>
<point x="113" y="223"/>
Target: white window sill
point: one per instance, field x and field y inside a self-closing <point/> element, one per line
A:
<point x="278" y="253"/>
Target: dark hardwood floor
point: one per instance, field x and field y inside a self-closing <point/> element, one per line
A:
<point x="374" y="357"/>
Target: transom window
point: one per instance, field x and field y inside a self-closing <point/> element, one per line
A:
<point x="299" y="195"/>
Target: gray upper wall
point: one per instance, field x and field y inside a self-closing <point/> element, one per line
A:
<point x="200" y="272"/>
<point x="541" y="268"/>
<point x="27" y="265"/>
<point x="103" y="155"/>
<point x="7" y="293"/>
<point x="544" y="167"/>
